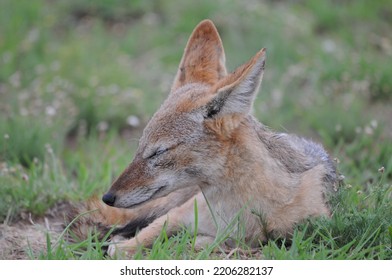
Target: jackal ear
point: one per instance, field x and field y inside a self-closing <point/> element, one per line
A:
<point x="203" y="60"/>
<point x="236" y="92"/>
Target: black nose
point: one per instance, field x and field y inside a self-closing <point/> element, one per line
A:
<point x="109" y="199"/>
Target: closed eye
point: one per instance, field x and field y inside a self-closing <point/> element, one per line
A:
<point x="158" y="152"/>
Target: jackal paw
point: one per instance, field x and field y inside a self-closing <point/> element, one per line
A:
<point x="121" y="248"/>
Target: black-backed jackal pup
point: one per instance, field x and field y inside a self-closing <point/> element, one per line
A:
<point x="204" y="145"/>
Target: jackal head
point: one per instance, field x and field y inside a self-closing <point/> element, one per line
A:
<point x="187" y="141"/>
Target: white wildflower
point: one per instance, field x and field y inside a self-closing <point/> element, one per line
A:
<point x="133" y="121"/>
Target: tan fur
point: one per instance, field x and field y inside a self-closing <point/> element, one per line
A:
<point x="204" y="138"/>
<point x="204" y="57"/>
<point x="95" y="213"/>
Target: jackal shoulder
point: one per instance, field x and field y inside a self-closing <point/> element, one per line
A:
<point x="296" y="154"/>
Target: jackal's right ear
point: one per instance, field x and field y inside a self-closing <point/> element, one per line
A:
<point x="236" y="92"/>
<point x="234" y="95"/>
<point x="204" y="57"/>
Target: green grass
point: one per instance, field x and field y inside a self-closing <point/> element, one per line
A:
<point x="73" y="72"/>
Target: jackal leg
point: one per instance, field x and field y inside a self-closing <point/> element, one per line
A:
<point x="174" y="220"/>
<point x="127" y="221"/>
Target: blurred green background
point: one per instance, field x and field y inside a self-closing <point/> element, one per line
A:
<point x="79" y="79"/>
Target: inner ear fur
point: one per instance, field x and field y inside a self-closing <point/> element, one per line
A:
<point x="203" y="60"/>
<point x="234" y="96"/>
<point x="236" y="92"/>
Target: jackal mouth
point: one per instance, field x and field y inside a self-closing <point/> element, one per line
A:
<point x="147" y="196"/>
<point x="158" y="191"/>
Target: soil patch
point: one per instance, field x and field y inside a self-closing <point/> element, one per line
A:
<point x="27" y="238"/>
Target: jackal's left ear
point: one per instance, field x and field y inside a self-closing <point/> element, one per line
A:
<point x="204" y="57"/>
<point x="236" y="92"/>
